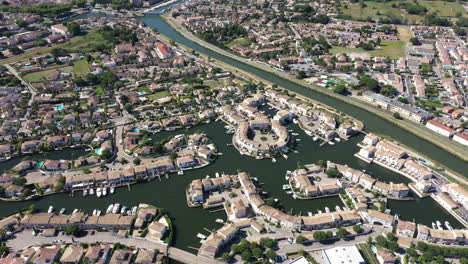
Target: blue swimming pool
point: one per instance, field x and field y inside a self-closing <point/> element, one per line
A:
<point x="98" y="151"/>
<point x="39" y="164"/>
<point x="27" y="66"/>
<point x="136" y="130"/>
<point x="111" y="105"/>
<point x="59" y="107"/>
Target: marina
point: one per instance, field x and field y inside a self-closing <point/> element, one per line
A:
<point x="188" y="221"/>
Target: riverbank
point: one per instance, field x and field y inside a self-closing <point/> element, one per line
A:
<point x="416" y="129"/>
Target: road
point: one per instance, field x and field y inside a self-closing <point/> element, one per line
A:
<point x="25" y="239"/>
<point x="30" y="88"/>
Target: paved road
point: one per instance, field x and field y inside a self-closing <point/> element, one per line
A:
<point x="30" y="88"/>
<point x="26" y="239"/>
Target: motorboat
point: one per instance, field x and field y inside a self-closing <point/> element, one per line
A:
<point x="91" y="191"/>
<point x="123" y="210"/>
<point x="331" y="143"/>
<point x="62" y="210"/>
<point x="75" y="211"/>
<point x="94" y="212"/>
<point x="337" y="208"/>
<point x="112" y="190"/>
<point x="327" y="209"/>
<point x="109" y="209"/>
<point x="116" y="208"/>
<point x="273" y="160"/>
<point x="134" y="210"/>
<point x="51" y="209"/>
<point x="104" y="191"/>
<point x="315" y="138"/>
<point x="98" y="192"/>
<point x="85" y="192"/>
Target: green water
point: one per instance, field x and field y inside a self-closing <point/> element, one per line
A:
<point x="170" y="193"/>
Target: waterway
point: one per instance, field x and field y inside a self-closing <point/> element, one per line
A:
<point x="371" y="121"/>
<point x="64" y="154"/>
<point x="170" y="193"/>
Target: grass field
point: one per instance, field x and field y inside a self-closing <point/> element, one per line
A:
<point x="42" y="75"/>
<point x="444" y="9"/>
<point x="240" y="41"/>
<point x="392" y="49"/>
<point x="80" y="68"/>
<point x="158" y="95"/>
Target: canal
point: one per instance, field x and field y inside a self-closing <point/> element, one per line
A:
<point x="372" y="122"/>
<point x="170" y="193"/>
<point x="64" y="154"/>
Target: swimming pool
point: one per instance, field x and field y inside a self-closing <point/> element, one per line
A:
<point x="98" y="151"/>
<point x="58" y="123"/>
<point x="58" y="82"/>
<point x="111" y="105"/>
<point x="39" y="164"/>
<point x="59" y="107"/>
<point x="27" y="66"/>
<point x="136" y="130"/>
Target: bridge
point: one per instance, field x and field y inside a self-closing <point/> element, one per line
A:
<point x="153" y="9"/>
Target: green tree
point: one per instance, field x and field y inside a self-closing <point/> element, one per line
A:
<point x="393" y="246"/>
<point x="106" y="154"/>
<point x="267" y="242"/>
<point x="73" y="28"/>
<point x="72" y="230"/>
<point x="246" y="255"/>
<point x="137" y="161"/>
<point x="257" y="252"/>
<point x="397" y="115"/>
<point x="271" y="254"/>
<point x="300" y="239"/>
<point x="357" y="229"/>
<point x="20" y="181"/>
<point x="340" y="89"/>
<point x="381" y="241"/>
<point x="391" y="237"/>
<point x="174" y="156"/>
<point x="342" y="232"/>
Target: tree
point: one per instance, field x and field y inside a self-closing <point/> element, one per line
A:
<point x="369" y="83"/>
<point x="174" y="156"/>
<point x="357" y="229"/>
<point x="137" y="161"/>
<point x="397" y="115"/>
<point x="74" y="28"/>
<point x="393" y="246"/>
<point x="342" y="232"/>
<point x="412" y="252"/>
<point x="226" y="257"/>
<point x="72" y="230"/>
<point x="300" y="239"/>
<point x="246" y="255"/>
<point x="301" y="74"/>
<point x="340" y="89"/>
<point x="414" y="41"/>
<point x="381" y="241"/>
<point x="257" y="252"/>
<point x="322" y="163"/>
<point x="391" y="237"/>
<point x="321" y="235"/>
<point x="271" y="254"/>
<point x="106" y="154"/>
<point x="267" y="242"/>
<point x="20" y="181"/>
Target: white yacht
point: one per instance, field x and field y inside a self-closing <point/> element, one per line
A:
<point x="62" y="210"/>
<point x="85" y="192"/>
<point x="123" y="210"/>
<point x="116" y="208"/>
<point x="51" y="209"/>
<point x="91" y="191"/>
<point x="109" y="209"/>
<point x="134" y="210"/>
<point x="112" y="190"/>
<point x="98" y="192"/>
<point x="75" y="211"/>
<point x="104" y="191"/>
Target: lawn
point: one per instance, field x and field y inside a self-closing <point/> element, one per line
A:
<point x="444" y="9"/>
<point x="80" y="67"/>
<point x="240" y="41"/>
<point x="42" y="75"/>
<point x="158" y="95"/>
<point x="392" y="49"/>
